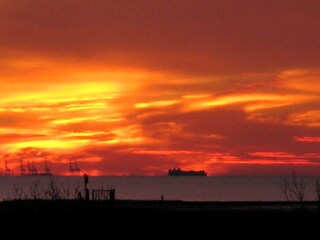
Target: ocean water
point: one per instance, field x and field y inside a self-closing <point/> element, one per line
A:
<point x="171" y="188"/>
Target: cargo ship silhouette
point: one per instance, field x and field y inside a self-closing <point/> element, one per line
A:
<point x="179" y="172"/>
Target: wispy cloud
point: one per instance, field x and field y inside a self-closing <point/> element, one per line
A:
<point x="137" y="87"/>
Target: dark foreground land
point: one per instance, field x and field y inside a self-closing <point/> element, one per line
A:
<point x="160" y="217"/>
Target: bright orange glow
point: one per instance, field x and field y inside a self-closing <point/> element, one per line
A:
<point x="67" y="117"/>
<point x="309" y="118"/>
<point x="48" y="144"/>
<point x="163" y="103"/>
<point x="161" y="90"/>
<point x="308" y="139"/>
<point x="252" y="102"/>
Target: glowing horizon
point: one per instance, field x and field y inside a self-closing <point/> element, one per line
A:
<point x="138" y="87"/>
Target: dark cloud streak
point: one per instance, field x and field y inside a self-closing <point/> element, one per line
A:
<point x="181" y="36"/>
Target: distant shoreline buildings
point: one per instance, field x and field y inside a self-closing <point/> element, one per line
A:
<point x="31" y="170"/>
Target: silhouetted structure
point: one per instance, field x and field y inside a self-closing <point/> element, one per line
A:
<point x="7" y="169"/>
<point x="32" y="170"/>
<point x="47" y="171"/>
<point x="86" y="190"/>
<point x="46" y="168"/>
<point x="76" y="168"/>
<point x="104" y="195"/>
<point x="73" y="168"/>
<point x="179" y="172"/>
<point x="22" y="169"/>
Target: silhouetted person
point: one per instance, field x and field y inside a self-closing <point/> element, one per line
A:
<point x="161" y="202"/>
<point x="80" y="196"/>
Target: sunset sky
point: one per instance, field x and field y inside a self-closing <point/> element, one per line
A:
<point x="136" y="87"/>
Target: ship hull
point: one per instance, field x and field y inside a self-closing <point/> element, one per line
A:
<point x="181" y="173"/>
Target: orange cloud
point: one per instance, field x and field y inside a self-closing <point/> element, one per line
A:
<point x="251" y="101"/>
<point x="307" y="139"/>
<point x="309" y="118"/>
<point x="162" y="103"/>
<point x="137" y="87"/>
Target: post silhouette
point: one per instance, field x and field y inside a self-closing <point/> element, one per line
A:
<point x="86" y="190"/>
